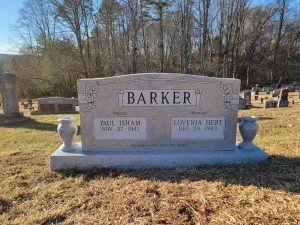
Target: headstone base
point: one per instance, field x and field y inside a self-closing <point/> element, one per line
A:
<point x="152" y="159"/>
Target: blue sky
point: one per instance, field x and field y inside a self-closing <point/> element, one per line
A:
<point x="8" y="16"/>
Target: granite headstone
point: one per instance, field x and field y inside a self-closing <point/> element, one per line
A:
<point x="56" y="105"/>
<point x="156" y="120"/>
<point x="247" y="96"/>
<point x="283" y="99"/>
<point x="9" y="95"/>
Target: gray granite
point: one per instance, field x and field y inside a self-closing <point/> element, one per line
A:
<point x="157" y="120"/>
<point x="56" y="105"/>
<point x="9" y="95"/>
<point x="270" y="104"/>
<point x="188" y="112"/>
<point x="276" y="92"/>
<point x="283" y="98"/>
<point x="140" y="160"/>
<point x="242" y="104"/>
<point x="247" y="96"/>
<point x="291" y="88"/>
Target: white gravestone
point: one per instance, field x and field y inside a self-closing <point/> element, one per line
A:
<point x="156" y="120"/>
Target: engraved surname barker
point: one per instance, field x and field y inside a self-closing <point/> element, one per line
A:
<point x="159" y="98"/>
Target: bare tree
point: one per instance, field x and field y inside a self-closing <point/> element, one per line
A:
<point x="65" y="40"/>
<point x="282" y="9"/>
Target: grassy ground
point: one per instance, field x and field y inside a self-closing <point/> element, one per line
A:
<point x="247" y="194"/>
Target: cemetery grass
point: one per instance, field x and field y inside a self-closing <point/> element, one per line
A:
<point x="267" y="193"/>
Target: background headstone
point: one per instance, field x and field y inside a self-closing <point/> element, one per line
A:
<point x="291" y="89"/>
<point x="56" y="105"/>
<point x="242" y="103"/>
<point x="9" y="95"/>
<point x="270" y="104"/>
<point x="283" y="100"/>
<point x="247" y="96"/>
<point x="276" y="93"/>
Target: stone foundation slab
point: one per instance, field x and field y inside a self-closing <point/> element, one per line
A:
<point x="138" y="160"/>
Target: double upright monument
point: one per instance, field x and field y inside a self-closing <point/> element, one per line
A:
<point x="157" y="120"/>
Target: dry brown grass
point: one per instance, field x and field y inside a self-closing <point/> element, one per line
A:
<point x="267" y="193"/>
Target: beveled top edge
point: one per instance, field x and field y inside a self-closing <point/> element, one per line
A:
<point x="7" y="77"/>
<point x="159" y="74"/>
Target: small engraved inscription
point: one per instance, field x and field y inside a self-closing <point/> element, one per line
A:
<point x="198" y="128"/>
<point x="121" y="128"/>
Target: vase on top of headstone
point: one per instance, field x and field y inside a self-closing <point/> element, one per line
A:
<point x="67" y="130"/>
<point x="248" y="128"/>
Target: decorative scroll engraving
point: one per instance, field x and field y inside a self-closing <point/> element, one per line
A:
<point x="227" y="94"/>
<point x="90" y="98"/>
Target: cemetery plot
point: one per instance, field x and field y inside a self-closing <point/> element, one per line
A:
<point x="157" y="120"/>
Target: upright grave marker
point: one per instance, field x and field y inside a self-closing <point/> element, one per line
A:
<point x="283" y="98"/>
<point x="247" y="96"/>
<point x="9" y="95"/>
<point x="156" y="120"/>
<point x="243" y="104"/>
<point x="56" y="105"/>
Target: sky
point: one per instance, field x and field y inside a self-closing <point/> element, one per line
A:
<point x="8" y="16"/>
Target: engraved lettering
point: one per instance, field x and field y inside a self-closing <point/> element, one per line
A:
<point x="120" y="128"/>
<point x="159" y="98"/>
<point x="176" y="97"/>
<point x="187" y="96"/>
<point x="130" y="97"/>
<point x="153" y="96"/>
<point x="164" y="97"/>
<point x="107" y="123"/>
<point x="141" y="98"/>
<point x="198" y="128"/>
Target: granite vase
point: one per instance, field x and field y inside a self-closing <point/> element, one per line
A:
<point x="67" y="130"/>
<point x="248" y="128"/>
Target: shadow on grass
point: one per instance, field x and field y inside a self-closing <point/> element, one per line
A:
<point x="4" y="206"/>
<point x="257" y="107"/>
<point x="33" y="124"/>
<point x="277" y="173"/>
<point x="54" y="220"/>
<point x="265" y="118"/>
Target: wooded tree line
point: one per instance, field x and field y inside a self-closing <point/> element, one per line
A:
<point x="65" y="40"/>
